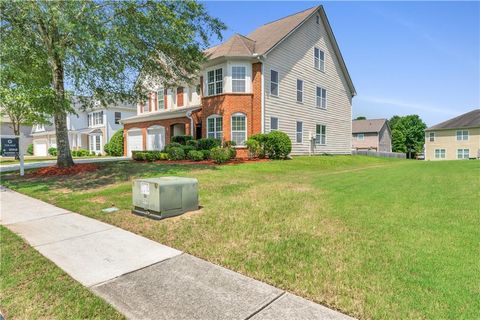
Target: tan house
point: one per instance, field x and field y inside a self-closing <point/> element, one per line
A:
<point x="457" y="138"/>
<point x="287" y="75"/>
<point x="372" y="134"/>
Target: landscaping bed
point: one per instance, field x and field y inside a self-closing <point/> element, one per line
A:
<point x="375" y="238"/>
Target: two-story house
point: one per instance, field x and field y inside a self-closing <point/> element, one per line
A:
<point x="371" y="134"/>
<point x="88" y="129"/>
<point x="287" y="75"/>
<point x="457" y="138"/>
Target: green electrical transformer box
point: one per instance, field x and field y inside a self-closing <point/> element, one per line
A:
<point x="164" y="197"/>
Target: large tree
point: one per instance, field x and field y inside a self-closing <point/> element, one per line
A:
<point x="98" y="48"/>
<point x="408" y="134"/>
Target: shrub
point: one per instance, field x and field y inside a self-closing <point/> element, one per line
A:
<point x="52" y="151"/>
<point x="30" y="149"/>
<point x="172" y="145"/>
<point x="220" y="155"/>
<point x="206" y="154"/>
<point x="233" y="152"/>
<point x="208" y="143"/>
<point x="229" y="144"/>
<point x="193" y="143"/>
<point x="92" y="154"/>
<point x="162" y="156"/>
<point x="149" y="155"/>
<point x="187" y="149"/>
<point x="80" y="153"/>
<point x="253" y="147"/>
<point x="115" y="146"/>
<point x="176" y="153"/>
<point x="195" y="155"/>
<point x="278" y="145"/>
<point x="182" y="139"/>
<point x="261" y="138"/>
<point x="138" y="155"/>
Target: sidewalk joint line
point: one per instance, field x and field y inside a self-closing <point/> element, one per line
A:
<point x="75" y="237"/>
<point x="41" y="218"/>
<point x="266" y="305"/>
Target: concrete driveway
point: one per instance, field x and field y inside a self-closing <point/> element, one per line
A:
<point x="144" y="279"/>
<point x="50" y="163"/>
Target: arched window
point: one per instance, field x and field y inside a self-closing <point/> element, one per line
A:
<point x="215" y="127"/>
<point x="239" y="128"/>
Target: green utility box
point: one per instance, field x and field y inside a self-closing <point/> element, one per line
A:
<point x="164" y="197"/>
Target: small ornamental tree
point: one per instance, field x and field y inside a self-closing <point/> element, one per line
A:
<point x="99" y="48"/>
<point x="115" y="146"/>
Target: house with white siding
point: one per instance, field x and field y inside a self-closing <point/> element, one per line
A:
<point x="89" y="129"/>
<point x="287" y="75"/>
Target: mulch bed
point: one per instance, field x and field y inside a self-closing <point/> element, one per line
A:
<point x="57" y="171"/>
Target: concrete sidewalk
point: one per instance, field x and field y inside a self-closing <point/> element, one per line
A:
<point x="50" y="163"/>
<point x="142" y="278"/>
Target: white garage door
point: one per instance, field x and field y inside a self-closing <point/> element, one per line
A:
<point x="155" y="138"/>
<point x="134" y="141"/>
<point x="40" y="148"/>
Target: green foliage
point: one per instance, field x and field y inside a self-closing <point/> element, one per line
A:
<point x="220" y="155"/>
<point x="172" y="145"/>
<point x="151" y="155"/>
<point x="193" y="143"/>
<point x="361" y="118"/>
<point x="278" y="145"/>
<point x="30" y="149"/>
<point x="195" y="155"/>
<point x="80" y="153"/>
<point x="206" y="154"/>
<point x="408" y="133"/>
<point x="52" y="151"/>
<point x="274" y="145"/>
<point x="229" y="144"/>
<point x="176" y="153"/>
<point x="182" y="139"/>
<point x="208" y="143"/>
<point x="115" y="146"/>
<point x="187" y="149"/>
<point x="253" y="147"/>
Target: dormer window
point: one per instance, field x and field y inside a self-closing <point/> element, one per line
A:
<point x="215" y="81"/>
<point x="39" y="127"/>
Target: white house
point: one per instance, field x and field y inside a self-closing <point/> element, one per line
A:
<point x="88" y="129"/>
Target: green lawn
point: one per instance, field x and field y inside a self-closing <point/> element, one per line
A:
<point x="374" y="238"/>
<point x="32" y="287"/>
<point x="12" y="160"/>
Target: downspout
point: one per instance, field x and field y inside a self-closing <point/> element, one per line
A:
<point x="189" y="116"/>
<point x="261" y="58"/>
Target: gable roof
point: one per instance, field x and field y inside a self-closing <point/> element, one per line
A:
<point x="368" y="126"/>
<point x="265" y="38"/>
<point x="467" y="120"/>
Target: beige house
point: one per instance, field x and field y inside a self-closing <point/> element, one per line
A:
<point x="457" y="138"/>
<point x="372" y="134"/>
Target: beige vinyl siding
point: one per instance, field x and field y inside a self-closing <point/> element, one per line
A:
<point x="385" y="140"/>
<point x="447" y="139"/>
<point x="294" y="59"/>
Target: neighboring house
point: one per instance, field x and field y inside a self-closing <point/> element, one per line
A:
<point x="88" y="129"/>
<point x="6" y="130"/>
<point x="372" y="134"/>
<point x="457" y="138"/>
<point x="287" y="75"/>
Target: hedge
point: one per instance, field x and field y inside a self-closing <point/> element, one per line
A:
<point x="115" y="146"/>
<point x="181" y="139"/>
<point x="149" y="155"/>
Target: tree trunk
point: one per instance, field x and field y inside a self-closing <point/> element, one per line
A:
<point x="64" y="156"/>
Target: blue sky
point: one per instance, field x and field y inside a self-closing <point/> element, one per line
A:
<point x="404" y="57"/>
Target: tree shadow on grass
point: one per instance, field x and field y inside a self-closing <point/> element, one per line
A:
<point x="106" y="174"/>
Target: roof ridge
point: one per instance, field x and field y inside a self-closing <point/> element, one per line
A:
<point x="317" y="7"/>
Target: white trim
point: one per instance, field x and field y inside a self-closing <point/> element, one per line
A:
<point x="297" y="132"/>
<point x="263" y="98"/>
<point x="296" y="90"/>
<point x="444" y="153"/>
<point x="462" y="134"/>
<point x="244" y="79"/>
<point x="215" y="132"/>
<point x="320" y="134"/>
<point x="91" y="115"/>
<point x="239" y="114"/>
<point x="316" y="97"/>
<point x="358" y="136"/>
<point x="463" y="153"/>
<point x="320" y="51"/>
<point x="278" y="123"/>
<point x="431" y="135"/>
<point x="278" y="83"/>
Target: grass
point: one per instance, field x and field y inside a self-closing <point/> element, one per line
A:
<point x="32" y="287"/>
<point x="374" y="238"/>
<point x="11" y="160"/>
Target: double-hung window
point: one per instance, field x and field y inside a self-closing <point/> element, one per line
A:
<point x="462" y="135"/>
<point x="463" y="153"/>
<point x="431" y="136"/>
<point x="239" y="75"/>
<point x="160" y="99"/>
<point x="215" y="127"/>
<point x="321" y="134"/>
<point x="299" y="132"/>
<point x="299" y="90"/>
<point x="360" y="136"/>
<point x="319" y="59"/>
<point x="273" y="123"/>
<point x="321" y="98"/>
<point x="95" y="119"/>
<point x="118" y="117"/>
<point x="215" y="81"/>
<point x="439" y="153"/>
<point x="274" y="83"/>
<point x="239" y="128"/>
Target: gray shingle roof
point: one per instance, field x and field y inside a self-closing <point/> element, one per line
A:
<point x="236" y="46"/>
<point x="368" y="126"/>
<point x="467" y="120"/>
